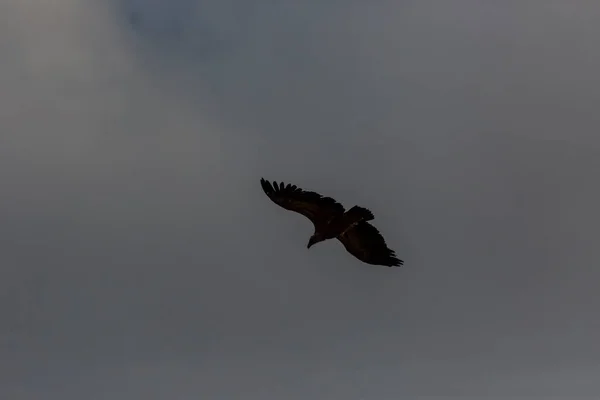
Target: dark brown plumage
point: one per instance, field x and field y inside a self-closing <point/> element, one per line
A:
<point x="331" y="220"/>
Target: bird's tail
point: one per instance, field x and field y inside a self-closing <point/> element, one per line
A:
<point x="357" y="214"/>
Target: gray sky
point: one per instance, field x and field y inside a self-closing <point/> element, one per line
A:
<point x="139" y="258"/>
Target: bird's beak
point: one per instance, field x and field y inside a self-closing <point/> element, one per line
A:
<point x="310" y="243"/>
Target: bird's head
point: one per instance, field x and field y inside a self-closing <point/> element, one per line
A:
<point x="313" y="239"/>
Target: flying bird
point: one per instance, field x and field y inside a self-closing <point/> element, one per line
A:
<point x="331" y="220"/>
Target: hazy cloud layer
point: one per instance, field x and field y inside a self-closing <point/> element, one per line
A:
<point x="140" y="259"/>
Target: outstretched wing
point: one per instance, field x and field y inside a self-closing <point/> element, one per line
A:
<point x="365" y="242"/>
<point x="317" y="208"/>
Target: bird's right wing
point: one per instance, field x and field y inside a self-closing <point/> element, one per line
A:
<point x="365" y="242"/>
<point x="317" y="208"/>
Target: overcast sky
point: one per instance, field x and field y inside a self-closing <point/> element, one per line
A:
<point x="140" y="259"/>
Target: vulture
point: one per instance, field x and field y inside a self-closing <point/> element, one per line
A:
<point x="331" y="220"/>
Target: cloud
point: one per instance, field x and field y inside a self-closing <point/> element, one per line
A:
<point x="140" y="256"/>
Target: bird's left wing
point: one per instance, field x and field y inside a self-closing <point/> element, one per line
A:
<point x="319" y="209"/>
